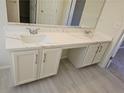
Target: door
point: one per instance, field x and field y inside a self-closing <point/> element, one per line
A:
<point x="51" y="60"/>
<point x="25" y="66"/>
<point x="13" y="11"/>
<point x="53" y="12"/>
<point x="100" y="52"/>
<point x="47" y="12"/>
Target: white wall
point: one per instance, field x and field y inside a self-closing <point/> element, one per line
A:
<point x="3" y="20"/>
<point x="111" y="24"/>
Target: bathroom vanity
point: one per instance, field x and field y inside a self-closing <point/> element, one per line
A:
<point x="38" y="31"/>
<point x="38" y="56"/>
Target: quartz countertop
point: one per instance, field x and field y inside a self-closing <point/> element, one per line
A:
<point x="59" y="37"/>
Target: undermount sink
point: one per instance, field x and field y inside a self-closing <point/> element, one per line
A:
<point x="35" y="39"/>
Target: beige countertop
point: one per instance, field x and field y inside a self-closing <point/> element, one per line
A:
<point x="59" y="37"/>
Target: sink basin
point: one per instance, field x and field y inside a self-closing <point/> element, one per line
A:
<point x="35" y="39"/>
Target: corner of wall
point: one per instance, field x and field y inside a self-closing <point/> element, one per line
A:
<point x="4" y="58"/>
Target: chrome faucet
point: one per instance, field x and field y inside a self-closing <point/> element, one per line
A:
<point x="33" y="31"/>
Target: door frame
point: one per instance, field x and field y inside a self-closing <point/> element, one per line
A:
<point x="116" y="48"/>
<point x="18" y="6"/>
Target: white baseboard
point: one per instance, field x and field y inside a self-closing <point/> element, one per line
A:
<point x="4" y="67"/>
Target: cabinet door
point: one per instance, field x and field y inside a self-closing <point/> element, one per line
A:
<point x="100" y="52"/>
<point x="25" y="66"/>
<point x="51" y="61"/>
<point x="91" y="52"/>
<point x="47" y="12"/>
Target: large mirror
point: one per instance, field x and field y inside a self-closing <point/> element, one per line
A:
<point x="83" y="13"/>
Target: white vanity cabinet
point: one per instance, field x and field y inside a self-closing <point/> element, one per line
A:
<point x="24" y="66"/>
<point x="89" y="55"/>
<point x="100" y="52"/>
<point x="85" y="56"/>
<point x="32" y="65"/>
<point x="50" y="62"/>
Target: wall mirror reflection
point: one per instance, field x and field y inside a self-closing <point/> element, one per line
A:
<point x="84" y="13"/>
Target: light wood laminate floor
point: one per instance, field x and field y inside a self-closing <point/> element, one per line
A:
<point x="91" y="79"/>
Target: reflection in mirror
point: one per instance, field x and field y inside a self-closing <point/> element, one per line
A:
<point x="83" y="13"/>
<point x="91" y="13"/>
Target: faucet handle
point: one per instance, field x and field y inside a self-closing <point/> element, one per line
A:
<point x="33" y="31"/>
<point x="37" y="29"/>
<point x="29" y="29"/>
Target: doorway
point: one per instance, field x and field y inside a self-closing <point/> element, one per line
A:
<point x="24" y="11"/>
<point x="116" y="66"/>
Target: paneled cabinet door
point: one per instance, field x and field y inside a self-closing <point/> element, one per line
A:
<point x="91" y="52"/>
<point x="51" y="60"/>
<point x="25" y="66"/>
<point x="100" y="52"/>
